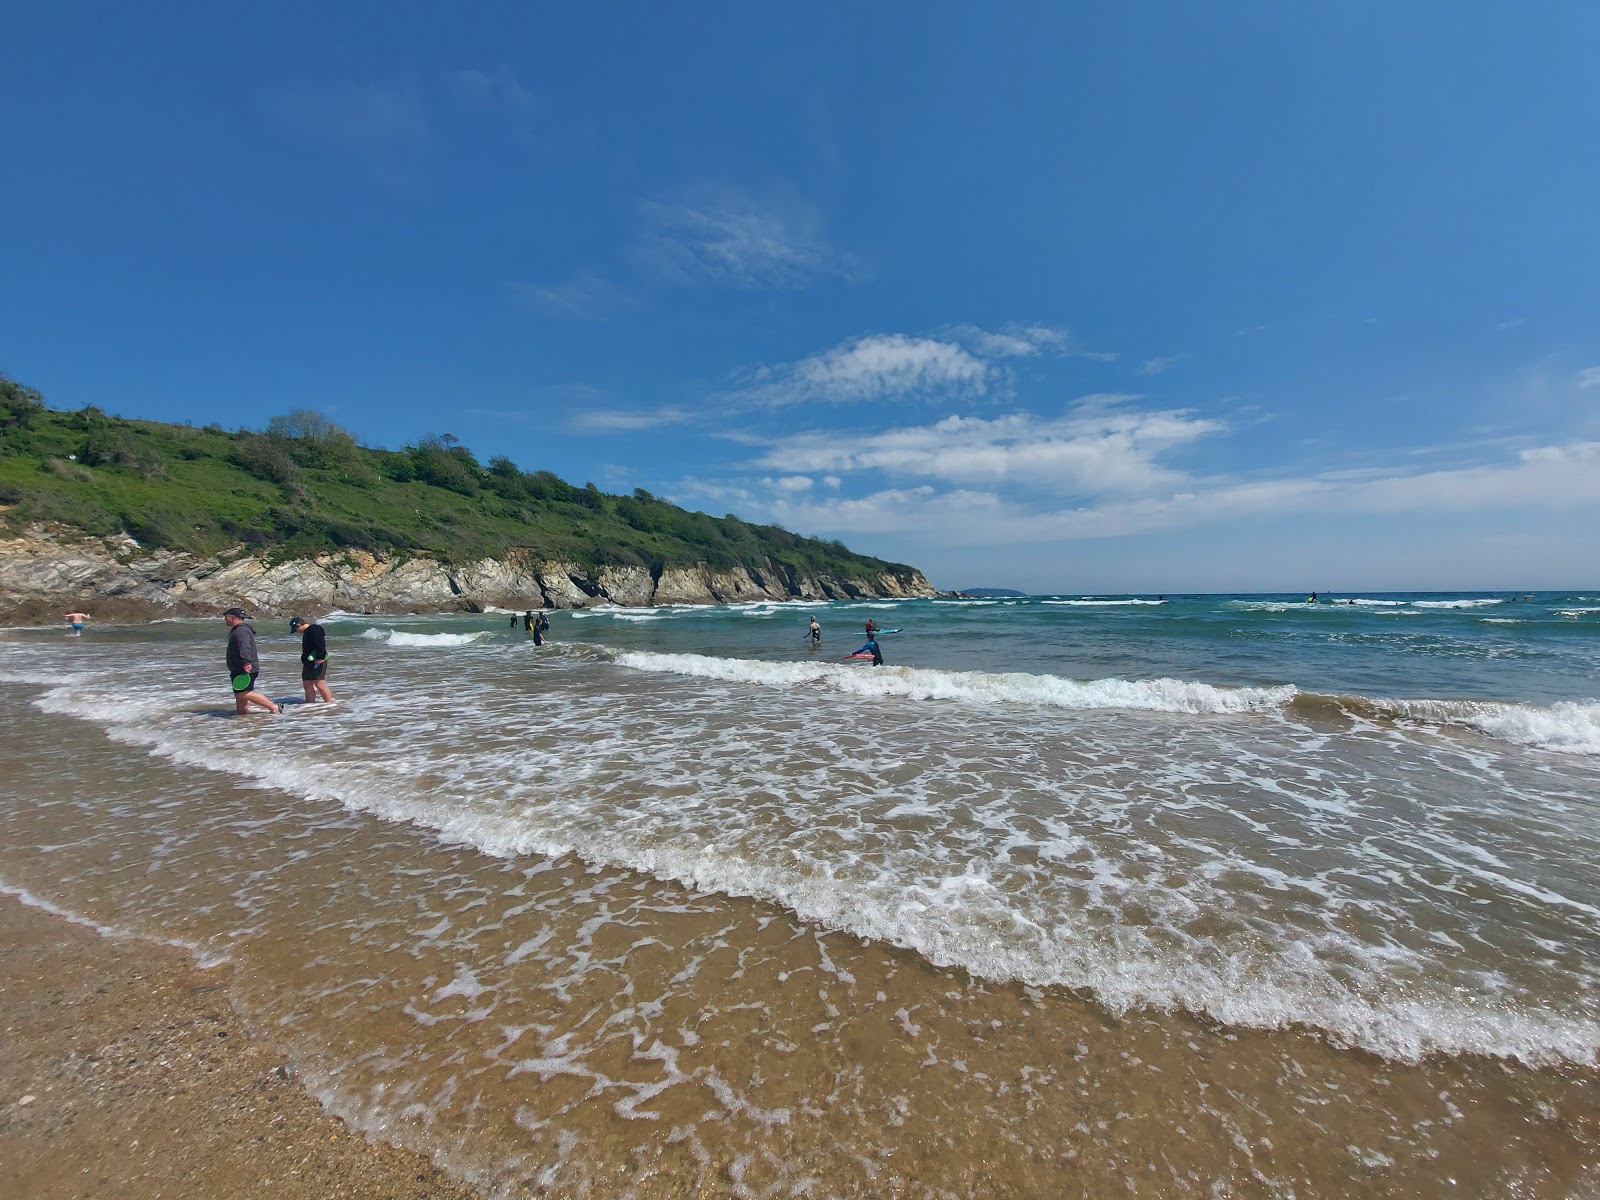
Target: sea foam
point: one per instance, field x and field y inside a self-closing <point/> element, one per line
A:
<point x="972" y="687"/>
<point x="395" y="637"/>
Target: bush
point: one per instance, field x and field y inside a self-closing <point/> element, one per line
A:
<point x="52" y="507"/>
<point x="18" y="405"/>
<point x="265" y="458"/>
<point x="157" y="527"/>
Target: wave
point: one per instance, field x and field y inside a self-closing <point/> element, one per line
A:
<point x="395" y="637"/>
<point x="1454" y="603"/>
<point x="950" y="919"/>
<point x="202" y="958"/>
<point x="975" y="687"/>
<point x="1575" y="612"/>
<point x="1567" y="727"/>
<point x="1101" y="603"/>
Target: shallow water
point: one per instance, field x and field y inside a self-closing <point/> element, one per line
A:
<point x="1064" y="898"/>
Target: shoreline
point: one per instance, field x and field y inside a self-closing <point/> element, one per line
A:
<point x="129" y="1074"/>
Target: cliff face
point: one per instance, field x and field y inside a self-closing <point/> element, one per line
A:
<point x="46" y="572"/>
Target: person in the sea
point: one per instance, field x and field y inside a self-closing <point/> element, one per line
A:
<point x="513" y="620"/>
<point x="527" y="621"/>
<point x="540" y="624"/>
<point x="313" y="659"/>
<point x="871" y="648"/>
<point x="75" y="621"/>
<point x="814" y="632"/>
<point x="244" y="663"/>
<point x="872" y="627"/>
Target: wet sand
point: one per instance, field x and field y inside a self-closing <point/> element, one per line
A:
<point x="125" y="1073"/>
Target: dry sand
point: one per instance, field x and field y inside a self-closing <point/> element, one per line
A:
<point x="124" y="1073"/>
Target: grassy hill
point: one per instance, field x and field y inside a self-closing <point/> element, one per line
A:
<point x="304" y="486"/>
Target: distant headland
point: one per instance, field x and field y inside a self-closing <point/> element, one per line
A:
<point x="140" y="519"/>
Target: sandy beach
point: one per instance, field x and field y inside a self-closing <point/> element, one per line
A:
<point x="127" y="1074"/>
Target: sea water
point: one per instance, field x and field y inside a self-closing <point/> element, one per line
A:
<point x="1204" y="895"/>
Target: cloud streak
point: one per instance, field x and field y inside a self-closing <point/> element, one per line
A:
<point x="722" y="235"/>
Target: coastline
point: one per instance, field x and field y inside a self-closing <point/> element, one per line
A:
<point x="144" y="1081"/>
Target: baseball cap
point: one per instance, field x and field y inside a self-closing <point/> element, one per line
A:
<point x="296" y="622"/>
<point x="236" y="612"/>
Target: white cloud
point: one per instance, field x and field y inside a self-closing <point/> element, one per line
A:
<point x="1022" y="341"/>
<point x="1161" y="364"/>
<point x="379" y="126"/>
<point x="1098" y="447"/>
<point x="885" y="366"/>
<point x="1542" y="479"/>
<point x="499" y="91"/>
<point x="585" y="297"/>
<point x="1589" y="377"/>
<point x="626" y="420"/>
<point x="723" y="235"/>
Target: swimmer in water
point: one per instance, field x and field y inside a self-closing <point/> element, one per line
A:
<point x="814" y="632"/>
<point x="75" y="621"/>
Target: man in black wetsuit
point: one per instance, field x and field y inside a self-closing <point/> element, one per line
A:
<point x="313" y="659"/>
<point x="244" y="664"/>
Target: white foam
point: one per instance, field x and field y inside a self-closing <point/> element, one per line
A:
<point x="114" y="932"/>
<point x="1101" y="603"/>
<point x="395" y="637"/>
<point x="1575" y="612"/>
<point x="972" y="687"/>
<point x="1567" y="727"/>
<point x="1454" y="603"/>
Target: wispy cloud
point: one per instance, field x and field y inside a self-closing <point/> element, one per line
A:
<point x="587" y="296"/>
<point x="626" y="420"/>
<point x="1589" y="377"/>
<point x="726" y="236"/>
<point x="1023" y="341"/>
<point x="379" y="126"/>
<point x="498" y="91"/>
<point x="1541" y="479"/>
<point x="1160" y="364"/>
<point x="1100" y="446"/>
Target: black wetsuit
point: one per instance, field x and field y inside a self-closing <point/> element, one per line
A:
<point x="313" y="653"/>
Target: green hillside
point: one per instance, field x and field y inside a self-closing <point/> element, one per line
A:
<point x="304" y="486"/>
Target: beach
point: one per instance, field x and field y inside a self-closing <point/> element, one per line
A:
<point x="1075" y="895"/>
<point x="128" y="1074"/>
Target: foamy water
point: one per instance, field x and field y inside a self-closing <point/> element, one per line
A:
<point x="611" y="825"/>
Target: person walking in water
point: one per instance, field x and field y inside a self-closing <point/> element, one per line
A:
<point x="75" y="621"/>
<point x="527" y="621"/>
<point x="872" y="627"/>
<point x="313" y="659"/>
<point x="244" y="664"/>
<point x="815" y="634"/>
<point x="870" y="648"/>
<point x="541" y="626"/>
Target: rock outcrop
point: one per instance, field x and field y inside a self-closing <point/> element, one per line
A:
<point x="50" y="570"/>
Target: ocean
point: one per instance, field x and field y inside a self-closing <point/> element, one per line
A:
<point x="1075" y="895"/>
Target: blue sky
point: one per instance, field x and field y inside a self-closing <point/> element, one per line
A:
<point x="1058" y="297"/>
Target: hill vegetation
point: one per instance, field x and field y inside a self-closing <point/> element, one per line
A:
<point x="304" y="486"/>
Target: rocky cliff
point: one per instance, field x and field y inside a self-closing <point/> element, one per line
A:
<point x="48" y="571"/>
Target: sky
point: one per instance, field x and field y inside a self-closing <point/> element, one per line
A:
<point x="1057" y="297"/>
